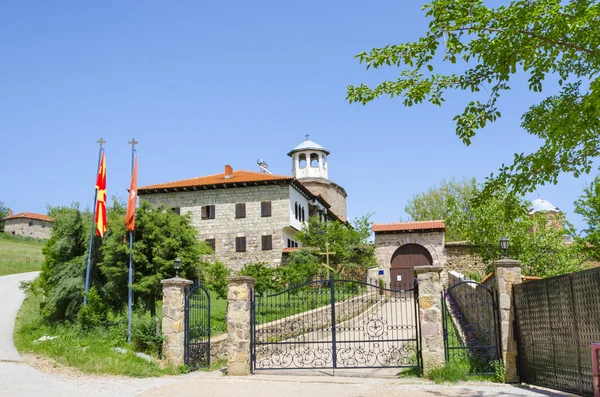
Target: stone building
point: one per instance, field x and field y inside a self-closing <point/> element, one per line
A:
<point x="28" y="224"/>
<point x="400" y="247"/>
<point x="250" y="217"/>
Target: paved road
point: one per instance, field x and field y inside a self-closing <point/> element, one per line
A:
<point x="20" y="380"/>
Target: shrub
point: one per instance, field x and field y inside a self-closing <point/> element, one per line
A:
<point x="266" y="277"/>
<point x="95" y="313"/>
<point x="146" y="335"/>
<point x="302" y="266"/>
<point x="215" y="278"/>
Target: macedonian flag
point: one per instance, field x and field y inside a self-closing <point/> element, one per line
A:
<point x="100" y="219"/>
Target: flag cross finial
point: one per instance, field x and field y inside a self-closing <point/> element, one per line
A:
<point x="307" y="136"/>
<point x="101" y="141"/>
<point x="133" y="142"/>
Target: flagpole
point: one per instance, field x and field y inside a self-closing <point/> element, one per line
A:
<point x="89" y="259"/>
<point x="130" y="283"/>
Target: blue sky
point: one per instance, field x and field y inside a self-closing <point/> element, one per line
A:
<point x="204" y="84"/>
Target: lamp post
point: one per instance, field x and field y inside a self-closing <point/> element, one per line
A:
<point x="504" y="244"/>
<point x="177" y="266"/>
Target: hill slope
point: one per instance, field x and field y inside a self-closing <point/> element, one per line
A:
<point x="20" y="255"/>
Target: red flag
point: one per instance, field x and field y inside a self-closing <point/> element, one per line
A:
<point x="131" y="201"/>
<point x="100" y="219"/>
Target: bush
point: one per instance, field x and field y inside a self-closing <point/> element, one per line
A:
<point x="95" y="313"/>
<point x="302" y="266"/>
<point x="448" y="373"/>
<point x="146" y="335"/>
<point x="215" y="278"/>
<point x="266" y="277"/>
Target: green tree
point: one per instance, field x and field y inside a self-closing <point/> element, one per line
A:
<point x="434" y="203"/>
<point x="3" y="214"/>
<point x="62" y="276"/>
<point x="489" y="45"/>
<point x="588" y="206"/>
<point x="535" y="241"/>
<point x="349" y="242"/>
<point x="160" y="236"/>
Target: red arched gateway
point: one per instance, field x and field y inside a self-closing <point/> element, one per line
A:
<point x="404" y="260"/>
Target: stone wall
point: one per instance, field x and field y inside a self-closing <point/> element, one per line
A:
<point x="470" y="307"/>
<point x="20" y="226"/>
<point x="459" y="259"/>
<point x="225" y="227"/>
<point x="333" y="193"/>
<point x="313" y="320"/>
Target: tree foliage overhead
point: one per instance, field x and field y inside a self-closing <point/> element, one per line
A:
<point x="434" y="203"/>
<point x="492" y="42"/>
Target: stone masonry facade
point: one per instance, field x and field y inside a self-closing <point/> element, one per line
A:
<point x="333" y="193"/>
<point x="387" y="243"/>
<point x="224" y="228"/>
<point x="28" y="227"/>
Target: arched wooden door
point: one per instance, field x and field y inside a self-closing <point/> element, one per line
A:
<point x="404" y="260"/>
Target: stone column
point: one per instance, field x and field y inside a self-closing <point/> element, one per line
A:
<point x="238" y="324"/>
<point x="507" y="272"/>
<point x="173" y="319"/>
<point x="430" y="316"/>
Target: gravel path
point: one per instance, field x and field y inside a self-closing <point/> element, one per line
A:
<point x="19" y="379"/>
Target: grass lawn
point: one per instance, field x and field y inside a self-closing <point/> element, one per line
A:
<point x="20" y="256"/>
<point x="90" y="351"/>
<point x="218" y="313"/>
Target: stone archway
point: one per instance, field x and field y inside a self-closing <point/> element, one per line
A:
<point x="403" y="262"/>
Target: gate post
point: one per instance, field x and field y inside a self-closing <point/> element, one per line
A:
<point x="239" y="306"/>
<point x="507" y="272"/>
<point x="173" y="319"/>
<point x="430" y="317"/>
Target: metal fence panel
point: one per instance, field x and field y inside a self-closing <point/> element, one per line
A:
<point x="557" y="319"/>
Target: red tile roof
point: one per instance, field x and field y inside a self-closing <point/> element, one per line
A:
<point x="290" y="249"/>
<point x="232" y="178"/>
<point x="406" y="226"/>
<point x="237" y="177"/>
<point x="30" y="215"/>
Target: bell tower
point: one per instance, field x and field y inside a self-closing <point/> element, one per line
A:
<point x="310" y="166"/>
<point x="309" y="160"/>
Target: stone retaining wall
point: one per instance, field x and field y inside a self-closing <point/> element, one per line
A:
<point x="471" y="306"/>
<point x="315" y="319"/>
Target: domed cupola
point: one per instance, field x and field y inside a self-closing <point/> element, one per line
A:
<point x="541" y="205"/>
<point x="309" y="160"/>
<point x="309" y="166"/>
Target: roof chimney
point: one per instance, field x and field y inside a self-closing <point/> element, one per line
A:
<point x="10" y="213"/>
<point x="228" y="172"/>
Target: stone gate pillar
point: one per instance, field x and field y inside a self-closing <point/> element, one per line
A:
<point x="430" y="316"/>
<point x="239" y="291"/>
<point x="507" y="273"/>
<point x="173" y="319"/>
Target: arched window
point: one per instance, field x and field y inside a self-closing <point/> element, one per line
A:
<point x="302" y="160"/>
<point x="314" y="160"/>
<point x="303" y="218"/>
<point x="296" y="210"/>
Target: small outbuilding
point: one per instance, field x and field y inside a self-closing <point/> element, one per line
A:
<point x="400" y="247"/>
<point x="28" y="224"/>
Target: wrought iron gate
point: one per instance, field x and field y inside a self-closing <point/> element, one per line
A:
<point x="470" y="321"/>
<point x="336" y="324"/>
<point x="197" y="328"/>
